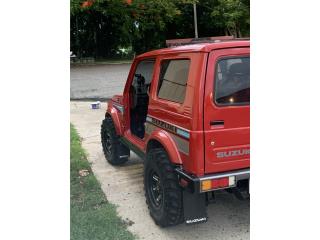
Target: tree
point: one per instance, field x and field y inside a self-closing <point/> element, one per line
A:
<point x="99" y="28"/>
<point x="150" y="20"/>
<point x="231" y="15"/>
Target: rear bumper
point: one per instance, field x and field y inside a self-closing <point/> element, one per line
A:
<point x="194" y="183"/>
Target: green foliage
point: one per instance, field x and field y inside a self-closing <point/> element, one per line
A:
<point x="150" y="19"/>
<point x="91" y="216"/>
<point x="101" y="29"/>
<point x="232" y="15"/>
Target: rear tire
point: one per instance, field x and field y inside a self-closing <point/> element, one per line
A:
<point x="114" y="151"/>
<point x="162" y="190"/>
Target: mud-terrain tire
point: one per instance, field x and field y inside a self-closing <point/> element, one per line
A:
<point x="114" y="151"/>
<point x="161" y="180"/>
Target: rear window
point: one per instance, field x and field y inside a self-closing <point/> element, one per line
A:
<point x="173" y="80"/>
<point x="232" y="81"/>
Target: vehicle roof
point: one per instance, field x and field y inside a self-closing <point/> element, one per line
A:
<point x="199" y="47"/>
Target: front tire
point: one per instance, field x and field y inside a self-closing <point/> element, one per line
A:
<point x="115" y="152"/>
<point x="162" y="190"/>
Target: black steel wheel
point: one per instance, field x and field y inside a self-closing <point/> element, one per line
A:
<point x="115" y="152"/>
<point x="162" y="190"/>
<point x="107" y="143"/>
<point x="155" y="189"/>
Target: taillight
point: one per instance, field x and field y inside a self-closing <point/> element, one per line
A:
<point x="218" y="183"/>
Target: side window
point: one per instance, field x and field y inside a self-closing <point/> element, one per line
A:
<point x="145" y="69"/>
<point x="232" y="81"/>
<point x="173" y="80"/>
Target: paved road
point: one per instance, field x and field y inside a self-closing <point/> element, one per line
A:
<point x="229" y="218"/>
<point x="97" y="81"/>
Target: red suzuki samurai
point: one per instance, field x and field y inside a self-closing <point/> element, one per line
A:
<point x="186" y="111"/>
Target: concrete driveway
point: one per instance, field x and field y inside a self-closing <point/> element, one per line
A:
<point x="97" y="81"/>
<point x="229" y="218"/>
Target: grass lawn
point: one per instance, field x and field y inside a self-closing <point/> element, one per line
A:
<point x="92" y="217"/>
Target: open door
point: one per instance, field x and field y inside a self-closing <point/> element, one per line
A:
<point x="139" y="99"/>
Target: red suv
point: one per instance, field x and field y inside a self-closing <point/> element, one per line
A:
<point x="186" y="111"/>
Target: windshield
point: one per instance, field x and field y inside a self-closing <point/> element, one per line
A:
<point x="232" y="81"/>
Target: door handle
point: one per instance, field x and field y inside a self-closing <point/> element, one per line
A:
<point x="216" y="123"/>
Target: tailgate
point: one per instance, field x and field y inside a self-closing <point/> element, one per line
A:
<point x="227" y="110"/>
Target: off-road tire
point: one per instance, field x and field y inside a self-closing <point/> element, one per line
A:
<point x="170" y="211"/>
<point x="114" y="151"/>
